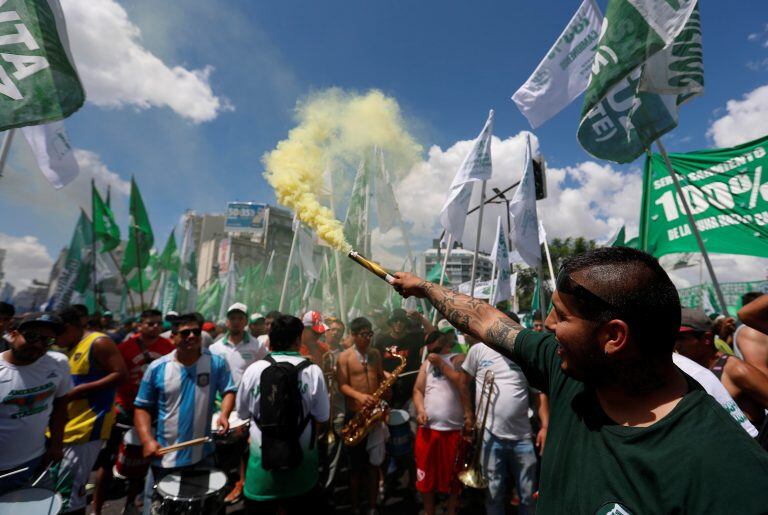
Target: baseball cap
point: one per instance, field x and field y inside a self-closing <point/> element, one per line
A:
<point x="41" y="319"/>
<point x="255" y="317"/>
<point x="107" y="314"/>
<point x="209" y="327"/>
<point x="238" y="306"/>
<point x="694" y="320"/>
<point x="444" y="326"/>
<point x="314" y="320"/>
<point x="171" y="316"/>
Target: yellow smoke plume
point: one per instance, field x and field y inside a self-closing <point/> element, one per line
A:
<point x="335" y="129"/>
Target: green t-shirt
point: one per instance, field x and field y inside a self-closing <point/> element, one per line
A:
<point x="695" y="460"/>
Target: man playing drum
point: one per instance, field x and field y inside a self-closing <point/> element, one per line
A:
<point x="181" y="389"/>
<point x="33" y="386"/>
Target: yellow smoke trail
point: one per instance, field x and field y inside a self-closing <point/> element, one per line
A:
<point x="335" y="128"/>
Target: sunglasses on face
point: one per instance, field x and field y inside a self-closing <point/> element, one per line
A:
<point x="366" y="334"/>
<point x="185" y="333"/>
<point x="34" y="338"/>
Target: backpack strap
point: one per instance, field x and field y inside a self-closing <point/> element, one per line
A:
<point x="301" y="366"/>
<point x="271" y="360"/>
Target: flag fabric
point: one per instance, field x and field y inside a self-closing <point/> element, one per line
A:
<point x="169" y="260"/>
<point x="476" y="167"/>
<point x="39" y="84"/>
<point x="708" y="302"/>
<point x="209" y="300"/>
<point x="564" y="73"/>
<point x="74" y="267"/>
<point x="640" y="76"/>
<point x="525" y="226"/>
<point x="387" y="212"/>
<point x="187" y="297"/>
<point x="140" y="240"/>
<point x="230" y="288"/>
<point x="502" y="288"/>
<point x="53" y="152"/>
<point x="620" y="239"/>
<point x="434" y="274"/>
<point x="725" y="191"/>
<point x="306" y="251"/>
<point x="167" y="266"/>
<point x="105" y="230"/>
<point x="355" y="222"/>
<point x="270" y="295"/>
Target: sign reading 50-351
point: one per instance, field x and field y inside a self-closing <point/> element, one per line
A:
<point x="245" y="217"/>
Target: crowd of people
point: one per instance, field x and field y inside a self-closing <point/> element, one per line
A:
<point x="618" y="401"/>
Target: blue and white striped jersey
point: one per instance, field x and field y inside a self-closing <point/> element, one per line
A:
<point x="184" y="399"/>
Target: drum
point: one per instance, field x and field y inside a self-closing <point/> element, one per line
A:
<point x="238" y="430"/>
<point x="399" y="433"/>
<point x="195" y="491"/>
<point x="30" y="501"/>
<point x="130" y="463"/>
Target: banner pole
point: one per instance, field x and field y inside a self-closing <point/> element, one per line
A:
<point x="125" y="282"/>
<point x="138" y="265"/>
<point x="288" y="265"/>
<point x="5" y="149"/>
<point x="93" y="247"/>
<point x="694" y="229"/>
<point x="549" y="264"/>
<point x="477" y="240"/>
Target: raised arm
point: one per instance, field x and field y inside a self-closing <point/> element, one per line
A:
<point x="469" y="315"/>
<point x="755" y="314"/>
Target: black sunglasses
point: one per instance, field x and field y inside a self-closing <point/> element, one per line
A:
<point x="33" y="337"/>
<point x="184" y="333"/>
<point x="365" y="334"/>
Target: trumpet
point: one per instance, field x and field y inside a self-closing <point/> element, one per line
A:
<point x="471" y="472"/>
<point x="328" y="366"/>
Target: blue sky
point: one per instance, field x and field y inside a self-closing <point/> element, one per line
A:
<point x="445" y="62"/>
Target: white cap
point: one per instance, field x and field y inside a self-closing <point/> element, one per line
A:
<point x="255" y="317"/>
<point x="444" y="326"/>
<point x="238" y="306"/>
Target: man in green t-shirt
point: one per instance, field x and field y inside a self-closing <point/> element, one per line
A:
<point x="629" y="433"/>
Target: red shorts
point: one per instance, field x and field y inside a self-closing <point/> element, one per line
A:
<point x="435" y="454"/>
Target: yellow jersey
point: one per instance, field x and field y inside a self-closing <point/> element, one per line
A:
<point x="91" y="417"/>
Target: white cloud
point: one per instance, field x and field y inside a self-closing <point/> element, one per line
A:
<point x="746" y="120"/>
<point x="26" y="259"/>
<point x="589" y="199"/>
<point x="117" y="70"/>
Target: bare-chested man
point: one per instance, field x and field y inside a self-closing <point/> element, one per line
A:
<point x="360" y="373"/>
<point x="750" y="341"/>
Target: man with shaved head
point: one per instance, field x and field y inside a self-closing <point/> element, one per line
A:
<point x="629" y="432"/>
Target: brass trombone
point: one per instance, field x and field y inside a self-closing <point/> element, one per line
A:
<point x="471" y="473"/>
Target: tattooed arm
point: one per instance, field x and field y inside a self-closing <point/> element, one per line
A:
<point x="469" y="315"/>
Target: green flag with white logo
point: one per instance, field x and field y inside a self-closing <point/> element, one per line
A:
<point x="727" y="191"/>
<point x="140" y="240"/>
<point x="648" y="61"/>
<point x="105" y="229"/>
<point x="74" y="272"/>
<point x="38" y="80"/>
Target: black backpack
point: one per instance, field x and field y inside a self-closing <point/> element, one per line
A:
<point x="282" y="419"/>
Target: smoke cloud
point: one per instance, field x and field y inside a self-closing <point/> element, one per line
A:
<point x="335" y="131"/>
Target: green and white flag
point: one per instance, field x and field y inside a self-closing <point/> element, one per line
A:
<point x="727" y="191"/>
<point x="38" y="80"/>
<point x="105" y="228"/>
<point x="53" y="152"/>
<point x="502" y="286"/>
<point x="648" y="62"/>
<point x="140" y="240"/>
<point x="74" y="273"/>
<point x="355" y="222"/>
<point x="188" y="272"/>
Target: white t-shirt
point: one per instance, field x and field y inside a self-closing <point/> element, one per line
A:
<point x="715" y="388"/>
<point x="441" y="398"/>
<point x="26" y="401"/>
<point x="508" y="416"/>
<point x="314" y="395"/>
<point x="239" y="356"/>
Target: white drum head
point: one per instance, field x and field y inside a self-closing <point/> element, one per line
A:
<point x="398" y="416"/>
<point x="192" y="484"/>
<point x="234" y="421"/>
<point x="30" y="501"/>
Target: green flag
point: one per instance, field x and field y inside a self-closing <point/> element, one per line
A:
<point x="169" y="260"/>
<point x="105" y="229"/>
<point x="38" y="81"/>
<point x="140" y="240"/>
<point x="620" y="239"/>
<point x="74" y="272"/>
<point x="648" y="61"/>
<point x="434" y="275"/>
<point x="726" y="193"/>
<point x="355" y="223"/>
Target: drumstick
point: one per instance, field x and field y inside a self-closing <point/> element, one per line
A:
<point x="13" y="472"/>
<point x="182" y="445"/>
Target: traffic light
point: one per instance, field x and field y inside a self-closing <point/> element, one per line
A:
<point x="540" y="177"/>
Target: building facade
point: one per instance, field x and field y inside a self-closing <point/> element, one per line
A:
<point x="458" y="269"/>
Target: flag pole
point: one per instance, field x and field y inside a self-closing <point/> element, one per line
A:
<point x="442" y="272"/>
<point x="138" y="264"/>
<point x="5" y="149"/>
<point x="93" y="246"/>
<point x="493" y="284"/>
<point x="125" y="281"/>
<point x="541" y="294"/>
<point x="288" y="265"/>
<point x="549" y="264"/>
<point x="694" y="229"/>
<point x="477" y="240"/>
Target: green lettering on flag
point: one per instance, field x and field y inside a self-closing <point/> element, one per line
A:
<point x="105" y="229"/>
<point x="140" y="240"/>
<point x="727" y="191"/>
<point x="38" y="81"/>
<point x="648" y="61"/>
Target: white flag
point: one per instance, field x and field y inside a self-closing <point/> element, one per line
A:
<point x="500" y="257"/>
<point x="53" y="153"/>
<point x="564" y="73"/>
<point x="306" y="253"/>
<point x="476" y="167"/>
<point x="525" y="224"/>
<point x="542" y="234"/>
